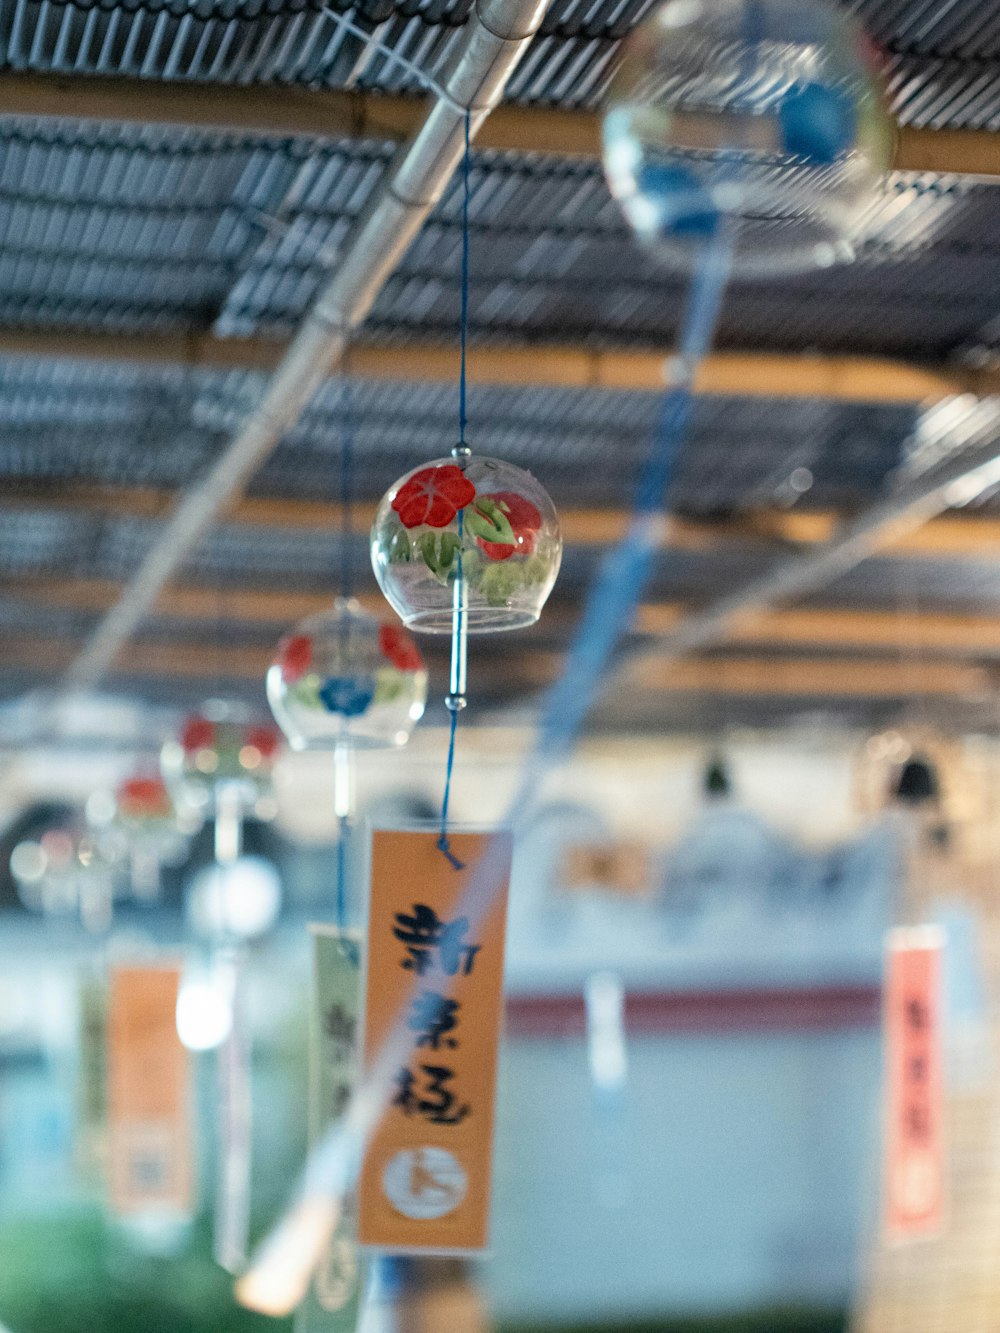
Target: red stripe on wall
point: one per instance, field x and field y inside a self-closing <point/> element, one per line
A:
<point x="801" y="1010"/>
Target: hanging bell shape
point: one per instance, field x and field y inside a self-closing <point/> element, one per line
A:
<point x="917" y="782"/>
<point x="345" y="677"/>
<point x="717" y="782"/>
<point x="483" y="537"/>
<point x="147" y="820"/>
<point x="221" y="747"/>
<point x="145" y="814"/>
<point x="759" y="120"/>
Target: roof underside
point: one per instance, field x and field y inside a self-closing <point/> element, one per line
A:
<point x="941" y="61"/>
<point x="149" y="229"/>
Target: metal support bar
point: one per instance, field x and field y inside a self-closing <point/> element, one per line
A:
<point x="496" y="37"/>
<point x="952" y="486"/>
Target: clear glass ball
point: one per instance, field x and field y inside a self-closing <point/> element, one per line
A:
<point x="488" y="530"/>
<point x="345" y="676"/>
<point x="763" y="116"/>
<point x="221" y="746"/>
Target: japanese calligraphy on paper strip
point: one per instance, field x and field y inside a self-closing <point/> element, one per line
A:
<point x="425" y="1181"/>
<point x="915" y="1131"/>
<point x="331" y="1304"/>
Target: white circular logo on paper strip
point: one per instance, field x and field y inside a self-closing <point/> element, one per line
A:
<point x="424" y="1183"/>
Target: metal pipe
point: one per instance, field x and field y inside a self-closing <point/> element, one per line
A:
<point x="496" y="38"/>
<point x="954" y="485"/>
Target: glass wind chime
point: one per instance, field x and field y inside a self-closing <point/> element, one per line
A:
<point x="762" y="115"/>
<point x="220" y="766"/>
<point x="464" y="544"/>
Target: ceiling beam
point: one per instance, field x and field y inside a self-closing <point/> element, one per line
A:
<point x="834" y="677"/>
<point x="259" y="606"/>
<point x="760" y="676"/>
<point x="353" y="114"/>
<point x="153" y="503"/>
<point x="949" y="152"/>
<point x="893" y="633"/>
<point x="145" y="658"/>
<point x="734" y="374"/>
<point x="279" y="111"/>
<point x="152" y="658"/>
<point x="962" y="535"/>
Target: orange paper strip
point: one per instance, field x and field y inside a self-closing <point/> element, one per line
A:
<point x="914" y="1129"/>
<point x="425" y="1180"/>
<point x="150" y="1151"/>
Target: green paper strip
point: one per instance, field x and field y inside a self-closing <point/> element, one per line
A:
<point x="331" y="1304"/>
<point x="92" y="1100"/>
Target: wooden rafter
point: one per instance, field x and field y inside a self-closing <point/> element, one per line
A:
<point x="760" y="676"/>
<point x="834" y="378"/>
<point x="970" y="536"/>
<point x="353" y="114"/>
<point x="942" y="635"/>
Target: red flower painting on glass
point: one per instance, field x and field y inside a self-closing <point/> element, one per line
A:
<point x="525" y="520"/>
<point x="295" y="655"/>
<point x="398" y="647"/>
<point x="433" y="496"/>
<point x="486" y="526"/>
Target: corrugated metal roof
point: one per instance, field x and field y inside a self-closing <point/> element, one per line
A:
<point x="144" y="228"/>
<point x="941" y="61"/>
<point x="158" y="427"/>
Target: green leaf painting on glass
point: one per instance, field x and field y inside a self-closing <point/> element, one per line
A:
<point x="439" y="551"/>
<point x="488" y="519"/>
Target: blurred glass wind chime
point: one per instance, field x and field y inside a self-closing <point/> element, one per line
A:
<point x="154" y="832"/>
<point x="219" y="767"/>
<point x="762" y="116"/>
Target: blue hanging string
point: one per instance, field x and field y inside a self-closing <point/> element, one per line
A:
<point x="443" y="842"/>
<point x="464" y="318"/>
<point x="456" y="701"/>
<point x="625" y="570"/>
<point x="346" y="487"/>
